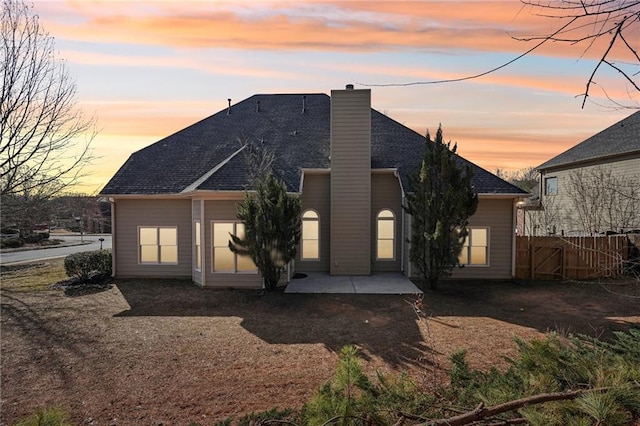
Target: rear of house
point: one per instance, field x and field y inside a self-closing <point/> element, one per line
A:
<point x="174" y="202"/>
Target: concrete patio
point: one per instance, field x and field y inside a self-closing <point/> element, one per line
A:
<point x="377" y="283"/>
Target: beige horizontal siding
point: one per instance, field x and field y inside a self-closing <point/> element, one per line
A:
<point x="350" y="227"/>
<point x="316" y="195"/>
<point x="386" y="194"/>
<point x="132" y="213"/>
<point x="223" y="210"/>
<point x="497" y="215"/>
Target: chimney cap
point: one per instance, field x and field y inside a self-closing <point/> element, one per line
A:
<point x="349" y="87"/>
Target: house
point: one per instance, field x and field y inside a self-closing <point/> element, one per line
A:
<point x="174" y="202"/>
<point x="592" y="188"/>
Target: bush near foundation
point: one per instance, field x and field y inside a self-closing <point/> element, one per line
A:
<point x="88" y="265"/>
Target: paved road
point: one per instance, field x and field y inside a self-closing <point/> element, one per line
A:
<point x="91" y="243"/>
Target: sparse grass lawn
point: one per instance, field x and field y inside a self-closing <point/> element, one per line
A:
<point x="152" y="352"/>
<point x="33" y="276"/>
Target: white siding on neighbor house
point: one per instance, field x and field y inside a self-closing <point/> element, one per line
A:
<point x="316" y="195"/>
<point x="223" y="210"/>
<point x="133" y="213"/>
<point x="350" y="228"/>
<point x="560" y="210"/>
<point x="386" y="194"/>
<point x="498" y="216"/>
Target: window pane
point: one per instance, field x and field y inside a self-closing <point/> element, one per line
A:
<point x="149" y="254"/>
<point x="168" y="237"/>
<point x="221" y="233"/>
<point x="197" y="231"/>
<point x="551" y="186"/>
<point x="385" y="229"/>
<point x="478" y="255"/>
<point x="222" y="259"/>
<point x="239" y="230"/>
<point x="245" y="264"/>
<point x="148" y="236"/>
<point x="385" y="249"/>
<point x="385" y="214"/>
<point x="168" y="254"/>
<point x="479" y="237"/>
<point x="309" y="229"/>
<point x="310" y="214"/>
<point x="198" y="257"/>
<point x="310" y="249"/>
<point x="464" y="256"/>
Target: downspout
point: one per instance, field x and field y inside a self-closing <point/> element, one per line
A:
<point x="112" y="201"/>
<point x="203" y="245"/>
<point x="513" y="236"/>
<point x="402" y="235"/>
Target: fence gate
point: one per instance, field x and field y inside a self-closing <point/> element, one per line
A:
<point x="547" y="263"/>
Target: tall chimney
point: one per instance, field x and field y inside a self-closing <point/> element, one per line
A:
<point x="350" y="137"/>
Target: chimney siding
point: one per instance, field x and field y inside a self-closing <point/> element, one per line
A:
<point x="350" y="182"/>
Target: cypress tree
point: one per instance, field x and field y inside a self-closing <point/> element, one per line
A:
<point x="440" y="202"/>
<point x="272" y="229"/>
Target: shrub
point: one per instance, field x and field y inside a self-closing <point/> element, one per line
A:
<point x="88" y="265"/>
<point x="46" y="417"/>
<point x="11" y="243"/>
<point x="36" y="238"/>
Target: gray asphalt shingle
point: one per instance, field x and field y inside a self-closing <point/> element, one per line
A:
<point x="619" y="139"/>
<point x="298" y="139"/>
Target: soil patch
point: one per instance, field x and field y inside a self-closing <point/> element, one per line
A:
<point x="153" y="352"/>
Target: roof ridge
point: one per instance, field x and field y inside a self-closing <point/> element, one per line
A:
<point x="195" y="184"/>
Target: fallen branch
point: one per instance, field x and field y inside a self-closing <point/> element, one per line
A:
<point x="481" y="413"/>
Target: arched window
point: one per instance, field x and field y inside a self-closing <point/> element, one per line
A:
<point x="386" y="235"/>
<point x="310" y="235"/>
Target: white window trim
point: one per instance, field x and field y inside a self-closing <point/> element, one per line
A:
<point x="195" y="251"/>
<point x="386" y="259"/>
<point x="159" y="262"/>
<point x="488" y="264"/>
<point x="310" y="259"/>
<point x="235" y="256"/>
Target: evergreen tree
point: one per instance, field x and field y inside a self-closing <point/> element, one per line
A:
<point x="440" y="202"/>
<point x="272" y="229"/>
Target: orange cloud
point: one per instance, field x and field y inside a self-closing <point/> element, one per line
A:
<point x="347" y="26"/>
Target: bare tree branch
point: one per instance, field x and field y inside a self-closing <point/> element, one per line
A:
<point x="44" y="138"/>
<point x="588" y="21"/>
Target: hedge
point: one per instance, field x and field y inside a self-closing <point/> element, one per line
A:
<point x="88" y="265"/>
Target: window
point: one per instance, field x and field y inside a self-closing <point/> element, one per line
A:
<point x="551" y="186"/>
<point x="476" y="248"/>
<point x="386" y="226"/>
<point x="310" y="235"/>
<point x="224" y="260"/>
<point x="197" y="246"/>
<point x="158" y="245"/>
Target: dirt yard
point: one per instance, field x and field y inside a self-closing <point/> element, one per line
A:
<point x="166" y="352"/>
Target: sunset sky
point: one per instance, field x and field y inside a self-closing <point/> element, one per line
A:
<point x="149" y="69"/>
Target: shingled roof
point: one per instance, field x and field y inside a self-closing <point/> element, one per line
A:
<point x="207" y="156"/>
<point x="622" y="138"/>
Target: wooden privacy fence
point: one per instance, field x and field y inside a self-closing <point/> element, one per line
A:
<point x="573" y="258"/>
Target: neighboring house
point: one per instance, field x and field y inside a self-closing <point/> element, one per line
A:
<point x="592" y="188"/>
<point x="174" y="202"/>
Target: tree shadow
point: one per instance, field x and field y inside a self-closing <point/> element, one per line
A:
<point x="48" y="336"/>
<point x="593" y="308"/>
<point x="384" y="326"/>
